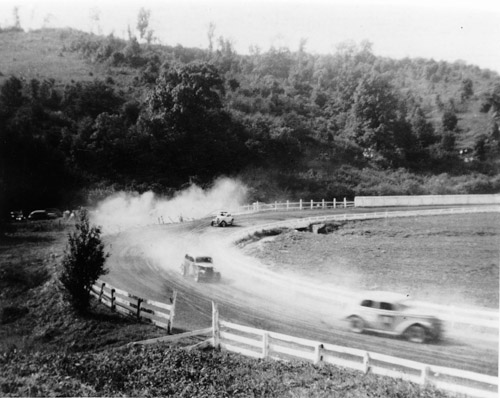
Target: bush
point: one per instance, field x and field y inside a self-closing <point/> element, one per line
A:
<point x="83" y="262"/>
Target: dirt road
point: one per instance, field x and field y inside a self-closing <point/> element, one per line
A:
<point x="146" y="262"/>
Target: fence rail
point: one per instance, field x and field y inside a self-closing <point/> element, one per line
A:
<point x="155" y="312"/>
<point x="258" y="343"/>
<point x="290" y="206"/>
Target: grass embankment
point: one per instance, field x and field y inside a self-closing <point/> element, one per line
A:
<point x="46" y="349"/>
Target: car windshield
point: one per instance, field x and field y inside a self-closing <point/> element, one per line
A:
<point x="204" y="260"/>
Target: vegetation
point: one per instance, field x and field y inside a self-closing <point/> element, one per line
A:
<point x="100" y="112"/>
<point x="48" y="349"/>
<point x="83" y="262"/>
<point x="163" y="371"/>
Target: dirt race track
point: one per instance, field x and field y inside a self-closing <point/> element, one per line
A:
<point x="146" y="262"/>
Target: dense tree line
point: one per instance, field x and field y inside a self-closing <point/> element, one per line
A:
<point x="307" y="123"/>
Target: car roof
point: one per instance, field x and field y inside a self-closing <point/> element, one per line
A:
<point x="385" y="296"/>
<point x="196" y="254"/>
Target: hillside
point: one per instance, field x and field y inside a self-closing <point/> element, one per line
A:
<point x="81" y="113"/>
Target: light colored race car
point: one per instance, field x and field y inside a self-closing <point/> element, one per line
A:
<point x="393" y="314"/>
<point x="200" y="268"/>
<point x="222" y="219"/>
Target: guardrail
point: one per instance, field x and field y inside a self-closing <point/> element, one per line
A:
<point x="259" y="343"/>
<point x="155" y="312"/>
<point x="455" y="315"/>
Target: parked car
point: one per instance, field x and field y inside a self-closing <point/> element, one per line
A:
<point x="393" y="314"/>
<point x="17" y="215"/>
<point x="38" y="215"/>
<point x="54" y="213"/>
<point x="200" y="268"/>
<point x="222" y="219"/>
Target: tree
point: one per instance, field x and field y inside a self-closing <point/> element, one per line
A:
<point x="210" y="35"/>
<point x="143" y="24"/>
<point x="467" y="90"/>
<point x="83" y="262"/>
<point x="449" y="120"/>
<point x="17" y="20"/>
<point x="379" y="126"/>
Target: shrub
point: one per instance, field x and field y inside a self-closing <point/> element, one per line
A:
<point x="83" y="262"/>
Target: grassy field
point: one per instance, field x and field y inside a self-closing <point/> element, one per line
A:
<point x="40" y="54"/>
<point x="46" y="349"/>
<point x="451" y="260"/>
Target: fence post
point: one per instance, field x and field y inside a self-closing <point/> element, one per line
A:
<point x="334" y="203"/>
<point x="265" y="345"/>
<point x="300" y="204"/>
<point x="287" y="205"/>
<point x="215" y="326"/>
<point x="345" y="202"/>
<point x="139" y="302"/>
<point x="113" y="305"/>
<point x="275" y="206"/>
<point x="317" y="354"/>
<point x="366" y="362"/>
<point x="323" y="203"/>
<point x="173" y="300"/>
<point x="425" y="375"/>
<point x="102" y="291"/>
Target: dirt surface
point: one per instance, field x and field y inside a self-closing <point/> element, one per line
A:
<point x="285" y="296"/>
<point x="451" y="260"/>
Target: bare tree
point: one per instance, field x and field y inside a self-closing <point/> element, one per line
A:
<point x="143" y="19"/>
<point x="210" y="35"/>
<point x="95" y="18"/>
<point x="17" y="20"/>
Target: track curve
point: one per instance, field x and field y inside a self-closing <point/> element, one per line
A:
<point x="145" y="261"/>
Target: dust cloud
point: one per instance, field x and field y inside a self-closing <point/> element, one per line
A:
<point x="126" y="210"/>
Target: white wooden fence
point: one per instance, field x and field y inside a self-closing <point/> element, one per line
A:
<point x="160" y="314"/>
<point x="291" y="206"/>
<point x="258" y="343"/>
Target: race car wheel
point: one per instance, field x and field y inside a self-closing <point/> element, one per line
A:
<point x="223" y="224"/>
<point x="356" y="324"/>
<point x="416" y="334"/>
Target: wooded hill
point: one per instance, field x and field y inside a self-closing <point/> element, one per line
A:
<point x="81" y="113"/>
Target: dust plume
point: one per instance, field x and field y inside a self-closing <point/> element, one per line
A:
<point x="126" y="210"/>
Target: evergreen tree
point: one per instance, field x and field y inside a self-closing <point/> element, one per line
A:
<point x="83" y="262"/>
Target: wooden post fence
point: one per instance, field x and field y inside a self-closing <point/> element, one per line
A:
<point x="215" y="326"/>
<point x="138" y="313"/>
<point x="173" y="301"/>
<point x="366" y="363"/>
<point x="265" y="345"/>
<point x="156" y="312"/>
<point x="102" y="291"/>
